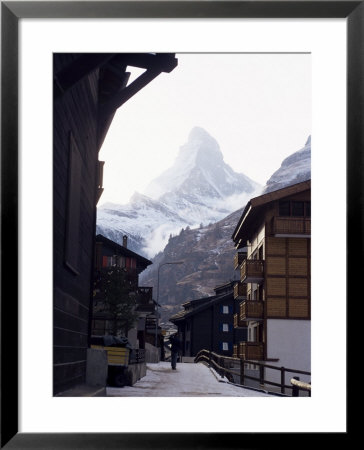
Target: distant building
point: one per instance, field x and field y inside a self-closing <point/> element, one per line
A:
<point x="88" y="88"/>
<point x="208" y="323"/>
<point x="107" y="254"/>
<point x="274" y="238"/>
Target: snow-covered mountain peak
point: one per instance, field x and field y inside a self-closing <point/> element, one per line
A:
<point x="200" y="162"/>
<point x="199" y="188"/>
<point x="200" y="149"/>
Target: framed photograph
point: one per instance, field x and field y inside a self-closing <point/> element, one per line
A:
<point x="329" y="34"/>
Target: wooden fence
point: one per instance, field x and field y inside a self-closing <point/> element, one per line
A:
<point x="231" y="368"/>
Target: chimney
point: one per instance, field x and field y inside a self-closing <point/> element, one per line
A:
<point x="125" y="241"/>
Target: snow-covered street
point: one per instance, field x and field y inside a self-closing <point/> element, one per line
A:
<point x="189" y="380"/>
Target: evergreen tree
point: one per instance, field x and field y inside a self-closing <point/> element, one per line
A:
<point x="117" y="291"/>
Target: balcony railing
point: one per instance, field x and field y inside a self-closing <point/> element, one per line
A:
<point x="252" y="271"/>
<point x="239" y="290"/>
<point x="238" y="259"/>
<point x="251" y="350"/>
<point x="299" y="226"/>
<point x="238" y="323"/>
<point x="235" y="351"/>
<point x="251" y="310"/>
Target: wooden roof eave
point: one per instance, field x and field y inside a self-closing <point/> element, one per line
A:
<point x="161" y="63"/>
<point x="123" y="250"/>
<point x="164" y="62"/>
<point x="187" y="314"/>
<point x="235" y="236"/>
<point x="256" y="204"/>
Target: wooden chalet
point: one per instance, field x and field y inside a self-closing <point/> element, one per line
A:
<point x="208" y="323"/>
<point x="87" y="89"/>
<point x="107" y="254"/>
<point x="273" y="239"/>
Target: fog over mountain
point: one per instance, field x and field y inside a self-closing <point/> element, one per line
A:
<point x="199" y="189"/>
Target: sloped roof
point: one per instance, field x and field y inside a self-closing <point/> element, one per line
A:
<point x="123" y="251"/>
<point x="181" y="315"/>
<point x="256" y="205"/>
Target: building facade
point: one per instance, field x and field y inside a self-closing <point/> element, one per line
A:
<point x="273" y="239"/>
<point x="107" y="255"/>
<point x="87" y="91"/>
<point x="208" y="323"/>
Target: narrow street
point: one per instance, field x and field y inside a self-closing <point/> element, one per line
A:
<point x="189" y="380"/>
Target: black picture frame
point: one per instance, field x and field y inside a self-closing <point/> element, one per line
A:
<point x="11" y="12"/>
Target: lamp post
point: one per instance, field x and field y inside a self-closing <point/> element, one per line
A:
<point x="156" y="313"/>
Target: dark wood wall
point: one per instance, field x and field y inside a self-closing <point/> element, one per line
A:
<point x="74" y="181"/>
<point x="200" y="332"/>
<point x="206" y="331"/>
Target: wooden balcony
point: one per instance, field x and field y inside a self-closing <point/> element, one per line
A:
<point x="235" y="351"/>
<point x="251" y="350"/>
<point x="238" y="259"/>
<point x="252" y="271"/>
<point x="239" y="290"/>
<point x="251" y="310"/>
<point x="291" y="226"/>
<point x="238" y="323"/>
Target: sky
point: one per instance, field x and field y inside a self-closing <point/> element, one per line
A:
<point x="257" y="107"/>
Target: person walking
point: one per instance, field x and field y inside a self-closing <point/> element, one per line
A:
<point x="175" y="349"/>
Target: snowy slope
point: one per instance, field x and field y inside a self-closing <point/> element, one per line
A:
<point x="294" y="169"/>
<point x="147" y="223"/>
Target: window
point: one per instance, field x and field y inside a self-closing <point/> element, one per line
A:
<point x="225" y="327"/>
<point x="294" y="208"/>
<point x="252" y="334"/>
<point x="284" y="208"/>
<point x="225" y="309"/>
<point x="298" y="209"/>
<point x="225" y="346"/>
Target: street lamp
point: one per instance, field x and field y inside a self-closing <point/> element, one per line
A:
<point x="156" y="322"/>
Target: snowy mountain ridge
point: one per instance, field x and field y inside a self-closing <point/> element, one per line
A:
<point x="199" y="188"/>
<point x="294" y="169"/>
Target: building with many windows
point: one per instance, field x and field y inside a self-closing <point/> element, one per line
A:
<point x="273" y="240"/>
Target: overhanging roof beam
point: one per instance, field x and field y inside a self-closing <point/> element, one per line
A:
<point x="164" y="62"/>
<point x="125" y="94"/>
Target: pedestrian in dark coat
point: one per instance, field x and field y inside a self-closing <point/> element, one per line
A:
<point x="175" y="349"/>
